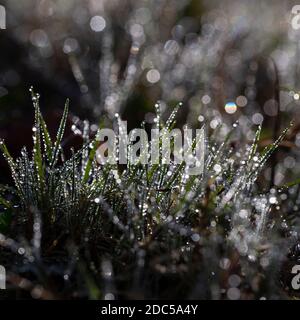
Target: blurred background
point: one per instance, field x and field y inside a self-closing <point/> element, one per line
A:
<point x="227" y="61"/>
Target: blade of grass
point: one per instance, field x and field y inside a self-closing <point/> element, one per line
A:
<point x="59" y="136"/>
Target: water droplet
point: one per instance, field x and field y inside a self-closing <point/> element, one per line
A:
<point x="21" y="251"/>
<point x="97" y="23"/>
<point x="230" y="107"/>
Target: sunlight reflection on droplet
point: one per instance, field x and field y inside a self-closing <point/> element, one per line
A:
<point x="206" y="99"/>
<point x="97" y="23"/>
<point x="153" y="76"/>
<point x="241" y="101"/>
<point x="230" y="107"/>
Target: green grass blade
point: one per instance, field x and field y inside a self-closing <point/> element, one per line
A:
<point x="46" y="138"/>
<point x="59" y="136"/>
<point x="12" y="167"/>
<point x="37" y="150"/>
